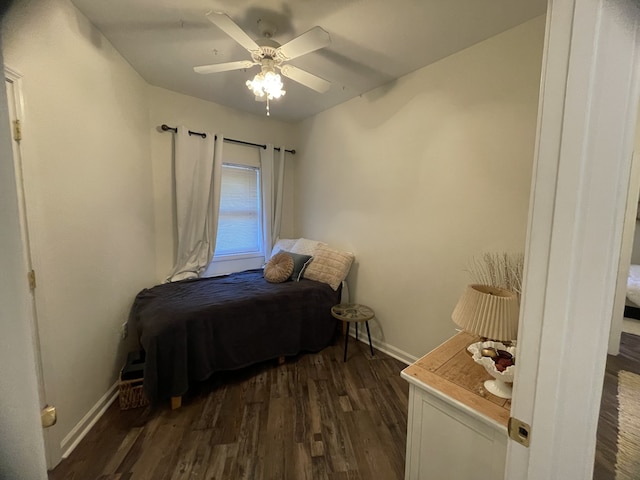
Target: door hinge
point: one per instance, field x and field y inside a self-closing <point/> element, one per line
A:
<point x="32" y="279"/>
<point x="519" y="431"/>
<point x="17" y="130"/>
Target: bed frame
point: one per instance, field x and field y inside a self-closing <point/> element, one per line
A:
<point x="632" y="312"/>
<point x="176" y="402"/>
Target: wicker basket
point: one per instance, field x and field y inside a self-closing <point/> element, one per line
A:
<point x="132" y="394"/>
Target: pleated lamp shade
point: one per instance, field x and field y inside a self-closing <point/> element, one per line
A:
<point x="489" y="312"/>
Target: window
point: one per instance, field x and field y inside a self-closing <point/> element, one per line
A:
<point x="240" y="217"/>
<point x="239" y="241"/>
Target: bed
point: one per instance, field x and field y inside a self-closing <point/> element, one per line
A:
<point x="194" y="328"/>
<point x="632" y="307"/>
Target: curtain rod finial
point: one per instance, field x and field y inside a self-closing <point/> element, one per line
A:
<point x="165" y="128"/>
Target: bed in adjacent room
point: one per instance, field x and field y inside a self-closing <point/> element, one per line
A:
<point x="632" y="307"/>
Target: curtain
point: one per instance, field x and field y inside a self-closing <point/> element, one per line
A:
<point x="272" y="175"/>
<point x="198" y="168"/>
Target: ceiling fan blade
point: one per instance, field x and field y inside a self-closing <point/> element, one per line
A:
<point x="224" y="67"/>
<point x="228" y="26"/>
<point x="307" y="79"/>
<point x="314" y="39"/>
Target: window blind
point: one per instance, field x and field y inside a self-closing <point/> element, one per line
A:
<point x="239" y="220"/>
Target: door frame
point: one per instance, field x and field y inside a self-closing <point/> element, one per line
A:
<point x="43" y="373"/>
<point x="586" y="125"/>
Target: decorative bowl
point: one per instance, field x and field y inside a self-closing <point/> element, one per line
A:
<point x="501" y="385"/>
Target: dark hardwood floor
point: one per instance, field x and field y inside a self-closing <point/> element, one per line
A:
<point x="314" y="417"/>
<point x="606" y="446"/>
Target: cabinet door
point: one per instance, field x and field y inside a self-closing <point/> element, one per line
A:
<point x="445" y="442"/>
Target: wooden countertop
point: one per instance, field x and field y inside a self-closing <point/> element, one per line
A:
<point x="449" y="371"/>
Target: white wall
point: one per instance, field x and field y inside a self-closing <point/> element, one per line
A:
<point x="420" y="175"/>
<point x="89" y="196"/>
<point x="176" y="109"/>
<point x="21" y="446"/>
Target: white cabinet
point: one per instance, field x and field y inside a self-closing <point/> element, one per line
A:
<point x="456" y="430"/>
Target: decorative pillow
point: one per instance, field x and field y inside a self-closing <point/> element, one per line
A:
<point x="300" y="262"/>
<point x="279" y="268"/>
<point x="329" y="266"/>
<point x="305" y="246"/>
<point x="285" y="244"/>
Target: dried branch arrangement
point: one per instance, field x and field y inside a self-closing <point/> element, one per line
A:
<point x="503" y="270"/>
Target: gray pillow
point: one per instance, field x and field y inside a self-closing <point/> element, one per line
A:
<point x="300" y="262"/>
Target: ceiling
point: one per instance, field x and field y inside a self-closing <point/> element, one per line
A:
<point x="372" y="42"/>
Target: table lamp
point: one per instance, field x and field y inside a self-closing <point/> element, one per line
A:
<point x="489" y="312"/>
<point x="492" y="313"/>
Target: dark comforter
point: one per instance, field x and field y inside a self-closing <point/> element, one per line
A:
<point x="193" y="328"/>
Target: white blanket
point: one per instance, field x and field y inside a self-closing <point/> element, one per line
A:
<point x="633" y="284"/>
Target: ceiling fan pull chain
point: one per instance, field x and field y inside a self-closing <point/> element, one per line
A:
<point x="268" y="114"/>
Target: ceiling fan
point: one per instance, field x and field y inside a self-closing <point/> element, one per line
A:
<point x="270" y="55"/>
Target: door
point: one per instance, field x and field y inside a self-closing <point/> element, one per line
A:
<point x="21" y="442"/>
<point x="586" y="122"/>
<point x="14" y="100"/>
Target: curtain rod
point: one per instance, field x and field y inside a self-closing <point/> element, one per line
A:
<point x="166" y="128"/>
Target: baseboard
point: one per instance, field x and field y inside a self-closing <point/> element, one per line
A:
<point x="77" y="433"/>
<point x="390" y="350"/>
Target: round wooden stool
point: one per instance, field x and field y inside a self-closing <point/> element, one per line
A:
<point x="353" y="312"/>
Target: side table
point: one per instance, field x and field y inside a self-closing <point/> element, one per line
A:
<point x="353" y="312"/>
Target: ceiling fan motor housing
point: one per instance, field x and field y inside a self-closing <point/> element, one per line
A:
<point x="268" y="49"/>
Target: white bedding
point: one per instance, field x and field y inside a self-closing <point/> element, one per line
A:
<point x="633" y="284"/>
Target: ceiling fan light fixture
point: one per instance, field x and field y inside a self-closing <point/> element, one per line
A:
<point x="272" y="85"/>
<point x="255" y="85"/>
<point x="266" y="83"/>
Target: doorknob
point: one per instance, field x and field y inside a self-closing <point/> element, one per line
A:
<point x="48" y="416"/>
